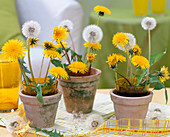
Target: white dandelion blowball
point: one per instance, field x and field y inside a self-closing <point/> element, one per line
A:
<point x="92" y="33"/>
<point x="148" y="23"/>
<point x="31" y="29"/>
<point x="14" y="123"/>
<point x="93" y="121"/>
<point x="67" y="24"/>
<point x="131" y="42"/>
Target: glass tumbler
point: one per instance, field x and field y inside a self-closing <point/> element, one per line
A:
<point x="10" y="83"/>
<point x="140" y="7"/>
<point x="158" y="7"/>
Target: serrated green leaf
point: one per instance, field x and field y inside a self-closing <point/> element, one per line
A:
<point x="56" y="63"/>
<point x="140" y="78"/>
<point x="52" y="79"/>
<point x="59" y="50"/>
<point x="156" y="57"/>
<point x="39" y="93"/>
<point x="22" y="61"/>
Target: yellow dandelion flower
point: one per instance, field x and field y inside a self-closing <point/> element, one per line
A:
<point x="121" y="58"/>
<point x="136" y="50"/>
<point x="32" y="42"/>
<point x="51" y="54"/>
<point x="113" y="59"/>
<point x="13" y="49"/>
<point x="60" y="33"/>
<point x="102" y="10"/>
<point x="91" y="56"/>
<point x="59" y="44"/>
<point x="48" y="45"/>
<point x="78" y="67"/>
<point x="93" y="46"/>
<point x="164" y="74"/>
<point x="59" y="72"/>
<point x="120" y="39"/>
<point x="140" y="61"/>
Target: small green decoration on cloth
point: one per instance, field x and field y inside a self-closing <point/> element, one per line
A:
<point x="52" y="133"/>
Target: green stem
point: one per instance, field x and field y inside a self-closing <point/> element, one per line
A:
<point x="98" y="21"/>
<point x="116" y="78"/>
<point x="47" y="70"/>
<point x="41" y="70"/>
<point x="90" y="67"/>
<point x="72" y="45"/>
<point x="23" y="73"/>
<point x="131" y="77"/>
<point x="29" y="61"/>
<point x="149" y="37"/>
<point x="68" y="59"/>
<point x="128" y="62"/>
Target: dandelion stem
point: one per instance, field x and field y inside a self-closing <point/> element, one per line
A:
<point x="41" y="70"/>
<point x="68" y="59"/>
<point x="149" y="37"/>
<point x="98" y="21"/>
<point x="23" y="73"/>
<point x="47" y="70"/>
<point x="29" y="61"/>
<point x="124" y="77"/>
<point x="130" y="69"/>
<point x="90" y="67"/>
<point x="128" y="64"/>
<point x="73" y="46"/>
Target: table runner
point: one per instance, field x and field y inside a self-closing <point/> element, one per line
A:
<point x="102" y="106"/>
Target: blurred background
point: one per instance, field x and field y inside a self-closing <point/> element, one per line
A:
<point x="48" y="13"/>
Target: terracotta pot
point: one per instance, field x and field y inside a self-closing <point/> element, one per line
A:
<point x="130" y="107"/>
<point x="41" y="115"/>
<point x="79" y="92"/>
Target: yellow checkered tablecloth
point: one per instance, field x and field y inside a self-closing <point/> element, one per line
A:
<point x="64" y="121"/>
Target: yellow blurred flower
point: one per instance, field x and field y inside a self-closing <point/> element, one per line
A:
<point x="102" y="9"/>
<point x="13" y="49"/>
<point x="60" y="33"/>
<point x="59" y="72"/>
<point x="78" y="67"/>
<point x="91" y="56"/>
<point x="140" y="61"/>
<point x="59" y="44"/>
<point x="33" y="42"/>
<point x="113" y="59"/>
<point x="93" y="46"/>
<point x="48" y="45"/>
<point x="136" y="50"/>
<point x="51" y="54"/>
<point x="164" y="74"/>
<point x="120" y="39"/>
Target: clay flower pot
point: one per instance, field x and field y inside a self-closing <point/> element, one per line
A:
<point x="79" y="92"/>
<point x="130" y="107"/>
<point x="41" y="115"/>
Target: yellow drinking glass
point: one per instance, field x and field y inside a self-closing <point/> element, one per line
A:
<point x="158" y="6"/>
<point x="10" y="83"/>
<point x="140" y="7"/>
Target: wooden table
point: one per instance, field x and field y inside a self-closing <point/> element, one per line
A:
<point x="158" y="97"/>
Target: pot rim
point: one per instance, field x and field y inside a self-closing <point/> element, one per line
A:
<point x="44" y="97"/>
<point x="132" y="98"/>
<point x="98" y="72"/>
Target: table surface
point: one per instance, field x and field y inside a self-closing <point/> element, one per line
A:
<point x="158" y="97"/>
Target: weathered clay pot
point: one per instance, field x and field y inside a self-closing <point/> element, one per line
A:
<point x="130" y="107"/>
<point x="79" y="92"/>
<point x="41" y="115"/>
